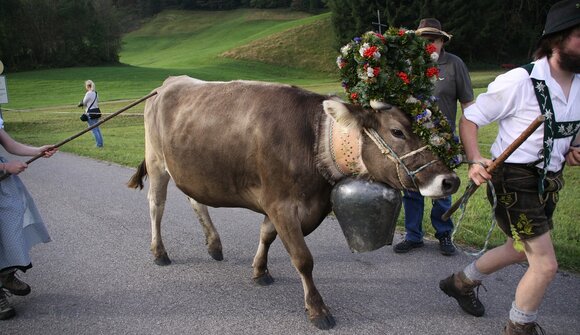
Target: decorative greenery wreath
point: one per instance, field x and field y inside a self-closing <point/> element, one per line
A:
<point x="400" y="68"/>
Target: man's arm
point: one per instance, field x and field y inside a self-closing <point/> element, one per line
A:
<point x="468" y="132"/>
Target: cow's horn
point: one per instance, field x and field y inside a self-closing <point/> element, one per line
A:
<point x="380" y="105"/>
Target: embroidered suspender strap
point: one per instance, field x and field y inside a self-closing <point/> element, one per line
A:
<point x="552" y="129"/>
<point x="545" y="103"/>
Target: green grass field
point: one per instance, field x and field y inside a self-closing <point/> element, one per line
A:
<point x="269" y="45"/>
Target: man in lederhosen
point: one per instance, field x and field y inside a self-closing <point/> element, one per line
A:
<point x="527" y="184"/>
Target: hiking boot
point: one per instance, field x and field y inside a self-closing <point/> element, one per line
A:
<point x="446" y="247"/>
<point x="514" y="328"/>
<point x="461" y="288"/>
<point x="6" y="311"/>
<point x="406" y="246"/>
<point x="10" y="282"/>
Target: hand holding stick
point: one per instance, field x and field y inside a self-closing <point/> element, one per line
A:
<point x="496" y="163"/>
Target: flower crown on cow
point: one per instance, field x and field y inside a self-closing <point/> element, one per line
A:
<point x="400" y="68"/>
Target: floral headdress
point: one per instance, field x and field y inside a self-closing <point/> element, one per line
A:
<point x="400" y="68"/>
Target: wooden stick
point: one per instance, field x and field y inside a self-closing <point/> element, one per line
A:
<point x="87" y="129"/>
<point x="496" y="163"/>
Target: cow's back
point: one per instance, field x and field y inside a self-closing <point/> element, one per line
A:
<point x="235" y="143"/>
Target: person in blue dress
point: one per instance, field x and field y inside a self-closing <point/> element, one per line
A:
<point x="21" y="226"/>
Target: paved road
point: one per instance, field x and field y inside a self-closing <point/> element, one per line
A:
<point x="98" y="277"/>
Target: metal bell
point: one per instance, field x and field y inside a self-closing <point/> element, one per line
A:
<point x="367" y="213"/>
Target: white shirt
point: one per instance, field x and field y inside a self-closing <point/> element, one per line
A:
<point x="90" y="96"/>
<point x="510" y="99"/>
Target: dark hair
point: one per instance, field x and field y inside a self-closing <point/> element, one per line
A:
<point x="547" y="43"/>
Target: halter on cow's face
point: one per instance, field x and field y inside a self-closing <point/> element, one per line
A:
<point x="389" y="150"/>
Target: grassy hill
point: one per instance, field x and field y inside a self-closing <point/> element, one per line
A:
<point x="205" y="45"/>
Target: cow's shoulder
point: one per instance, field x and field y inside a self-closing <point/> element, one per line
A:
<point x="182" y="80"/>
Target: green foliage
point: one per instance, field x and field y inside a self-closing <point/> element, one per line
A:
<point x="58" y="33"/>
<point x="486" y="31"/>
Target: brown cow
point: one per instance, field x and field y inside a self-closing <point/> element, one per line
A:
<point x="269" y="148"/>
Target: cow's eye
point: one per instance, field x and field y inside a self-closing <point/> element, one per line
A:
<point x="398" y="133"/>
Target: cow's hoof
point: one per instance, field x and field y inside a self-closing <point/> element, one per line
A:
<point x="162" y="260"/>
<point x="324" y="322"/>
<point x="264" y="280"/>
<point x="216" y="254"/>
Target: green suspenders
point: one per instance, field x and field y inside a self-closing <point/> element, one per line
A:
<point x="552" y="129"/>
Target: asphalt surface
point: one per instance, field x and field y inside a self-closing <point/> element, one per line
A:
<point x="97" y="276"/>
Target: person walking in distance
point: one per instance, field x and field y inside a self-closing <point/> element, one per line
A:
<point x="91" y="102"/>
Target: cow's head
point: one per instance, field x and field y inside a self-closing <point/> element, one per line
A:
<point x="388" y="150"/>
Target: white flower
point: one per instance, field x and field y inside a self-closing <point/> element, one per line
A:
<point x="377" y="55"/>
<point x="428" y="125"/>
<point x="434" y="56"/>
<point x="428" y="113"/>
<point x="370" y="72"/>
<point x="345" y="49"/>
<point x="436" y="140"/>
<point x="411" y="100"/>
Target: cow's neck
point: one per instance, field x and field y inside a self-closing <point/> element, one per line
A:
<point x="339" y="153"/>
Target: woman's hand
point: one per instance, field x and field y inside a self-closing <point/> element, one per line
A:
<point x="48" y="150"/>
<point x="14" y="167"/>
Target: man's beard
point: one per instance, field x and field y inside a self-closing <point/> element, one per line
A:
<point x="569" y="62"/>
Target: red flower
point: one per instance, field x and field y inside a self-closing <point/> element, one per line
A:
<point x="381" y="37"/>
<point x="432" y="71"/>
<point x="430" y="48"/>
<point x="370" y="51"/>
<point x="404" y="77"/>
<point x="354" y="96"/>
<point x="401" y="32"/>
<point x="376" y="71"/>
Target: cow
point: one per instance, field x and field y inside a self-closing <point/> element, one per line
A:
<point x="273" y="149"/>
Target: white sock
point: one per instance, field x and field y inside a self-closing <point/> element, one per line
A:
<point x="472" y="273"/>
<point x="521" y="317"/>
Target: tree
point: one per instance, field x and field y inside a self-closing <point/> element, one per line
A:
<point x="58" y="33"/>
<point x="484" y="31"/>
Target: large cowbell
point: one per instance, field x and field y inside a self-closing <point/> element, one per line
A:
<point x="367" y="213"/>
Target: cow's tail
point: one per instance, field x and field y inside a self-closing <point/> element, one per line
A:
<point x="137" y="180"/>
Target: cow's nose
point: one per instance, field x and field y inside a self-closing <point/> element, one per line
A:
<point x="450" y="183"/>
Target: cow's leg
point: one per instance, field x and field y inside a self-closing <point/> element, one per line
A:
<point x="212" y="238"/>
<point x="268" y="234"/>
<point x="288" y="226"/>
<point x="158" y="180"/>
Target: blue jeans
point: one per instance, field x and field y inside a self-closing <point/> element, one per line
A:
<point x="96" y="132"/>
<point x="414" y="204"/>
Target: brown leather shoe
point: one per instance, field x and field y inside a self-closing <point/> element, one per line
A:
<point x="11" y="283"/>
<point x="461" y="288"/>
<point x="514" y="328"/>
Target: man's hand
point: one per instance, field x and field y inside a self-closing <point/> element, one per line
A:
<point x="573" y="156"/>
<point x="477" y="171"/>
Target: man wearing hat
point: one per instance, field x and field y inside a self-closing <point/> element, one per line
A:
<point x="527" y="184"/>
<point x="453" y="85"/>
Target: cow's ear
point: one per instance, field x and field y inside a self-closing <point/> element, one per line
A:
<point x="340" y="113"/>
